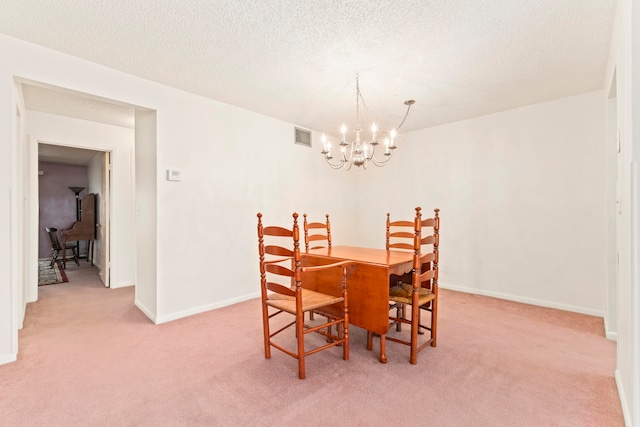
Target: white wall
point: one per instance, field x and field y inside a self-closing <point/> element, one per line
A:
<point x="522" y="199"/>
<point x="54" y="129"/>
<point x="234" y="163"/>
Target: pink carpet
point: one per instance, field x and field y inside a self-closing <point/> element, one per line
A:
<point x="89" y="357"/>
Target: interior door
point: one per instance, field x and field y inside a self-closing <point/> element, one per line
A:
<point x="103" y="225"/>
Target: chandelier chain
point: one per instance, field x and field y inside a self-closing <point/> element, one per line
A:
<point x="359" y="99"/>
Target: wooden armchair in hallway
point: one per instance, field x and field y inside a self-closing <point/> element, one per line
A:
<point x="56" y="248"/>
<point x="421" y="293"/>
<point x="281" y="279"/>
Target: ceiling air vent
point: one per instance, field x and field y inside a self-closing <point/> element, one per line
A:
<point x="303" y="137"/>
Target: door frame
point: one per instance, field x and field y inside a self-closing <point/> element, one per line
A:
<point x="34" y="207"/>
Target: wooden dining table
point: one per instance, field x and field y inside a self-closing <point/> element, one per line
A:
<point x="367" y="284"/>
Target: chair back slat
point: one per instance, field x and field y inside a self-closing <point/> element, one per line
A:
<point x="316" y="225"/>
<point x="428" y="257"/>
<point x="428" y="240"/>
<point x="280" y="289"/>
<point x="400" y="246"/>
<point x="278" y="251"/>
<point x="401" y="223"/>
<point x="429" y="222"/>
<point x="316" y="237"/>
<point x="402" y="234"/>
<point x="279" y="270"/>
<point x="426" y="276"/>
<point x="277" y="231"/>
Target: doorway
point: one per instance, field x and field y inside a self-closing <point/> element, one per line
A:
<point x="65" y="175"/>
<point x="72" y="122"/>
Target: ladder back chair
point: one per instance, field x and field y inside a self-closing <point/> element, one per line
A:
<point x="321" y="233"/>
<point x="422" y="291"/>
<point x="282" y="292"/>
<point x="56" y="248"/>
<point x="399" y="236"/>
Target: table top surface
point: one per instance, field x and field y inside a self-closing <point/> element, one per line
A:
<point x="368" y="255"/>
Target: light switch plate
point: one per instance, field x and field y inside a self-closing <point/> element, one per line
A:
<point x="173" y="175"/>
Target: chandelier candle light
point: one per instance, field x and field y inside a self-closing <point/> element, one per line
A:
<point x="360" y="152"/>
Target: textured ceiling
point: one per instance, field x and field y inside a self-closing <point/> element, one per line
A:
<point x="68" y="155"/>
<point x="297" y="60"/>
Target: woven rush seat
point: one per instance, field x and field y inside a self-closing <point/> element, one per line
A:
<point x="402" y="294"/>
<point x="310" y="301"/>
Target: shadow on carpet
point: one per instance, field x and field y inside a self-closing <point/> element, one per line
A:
<point x="48" y="275"/>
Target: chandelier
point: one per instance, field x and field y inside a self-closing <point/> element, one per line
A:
<point x="360" y="152"/>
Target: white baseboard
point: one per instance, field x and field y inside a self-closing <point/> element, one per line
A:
<point x="145" y="310"/>
<point x="623" y="399"/>
<point x="532" y="301"/>
<point x="8" y="358"/>
<point x="121" y="285"/>
<point x="202" y="309"/>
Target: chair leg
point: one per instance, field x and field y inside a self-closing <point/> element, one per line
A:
<point x="434" y="322"/>
<point x="300" y="332"/>
<point x="415" y="325"/>
<point x="54" y="257"/>
<point x="76" y="257"/>
<point x="345" y="334"/>
<point x="265" y="328"/>
<point x="420" y="331"/>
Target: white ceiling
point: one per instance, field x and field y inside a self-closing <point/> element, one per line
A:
<point x="68" y="155"/>
<point x="297" y="60"/>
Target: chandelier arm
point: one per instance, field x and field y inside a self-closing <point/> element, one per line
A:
<point x="381" y="163"/>
<point x="405" y="115"/>
<point x="335" y="165"/>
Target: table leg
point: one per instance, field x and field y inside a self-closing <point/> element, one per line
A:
<point x="383" y="345"/>
<point x="383" y="348"/>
